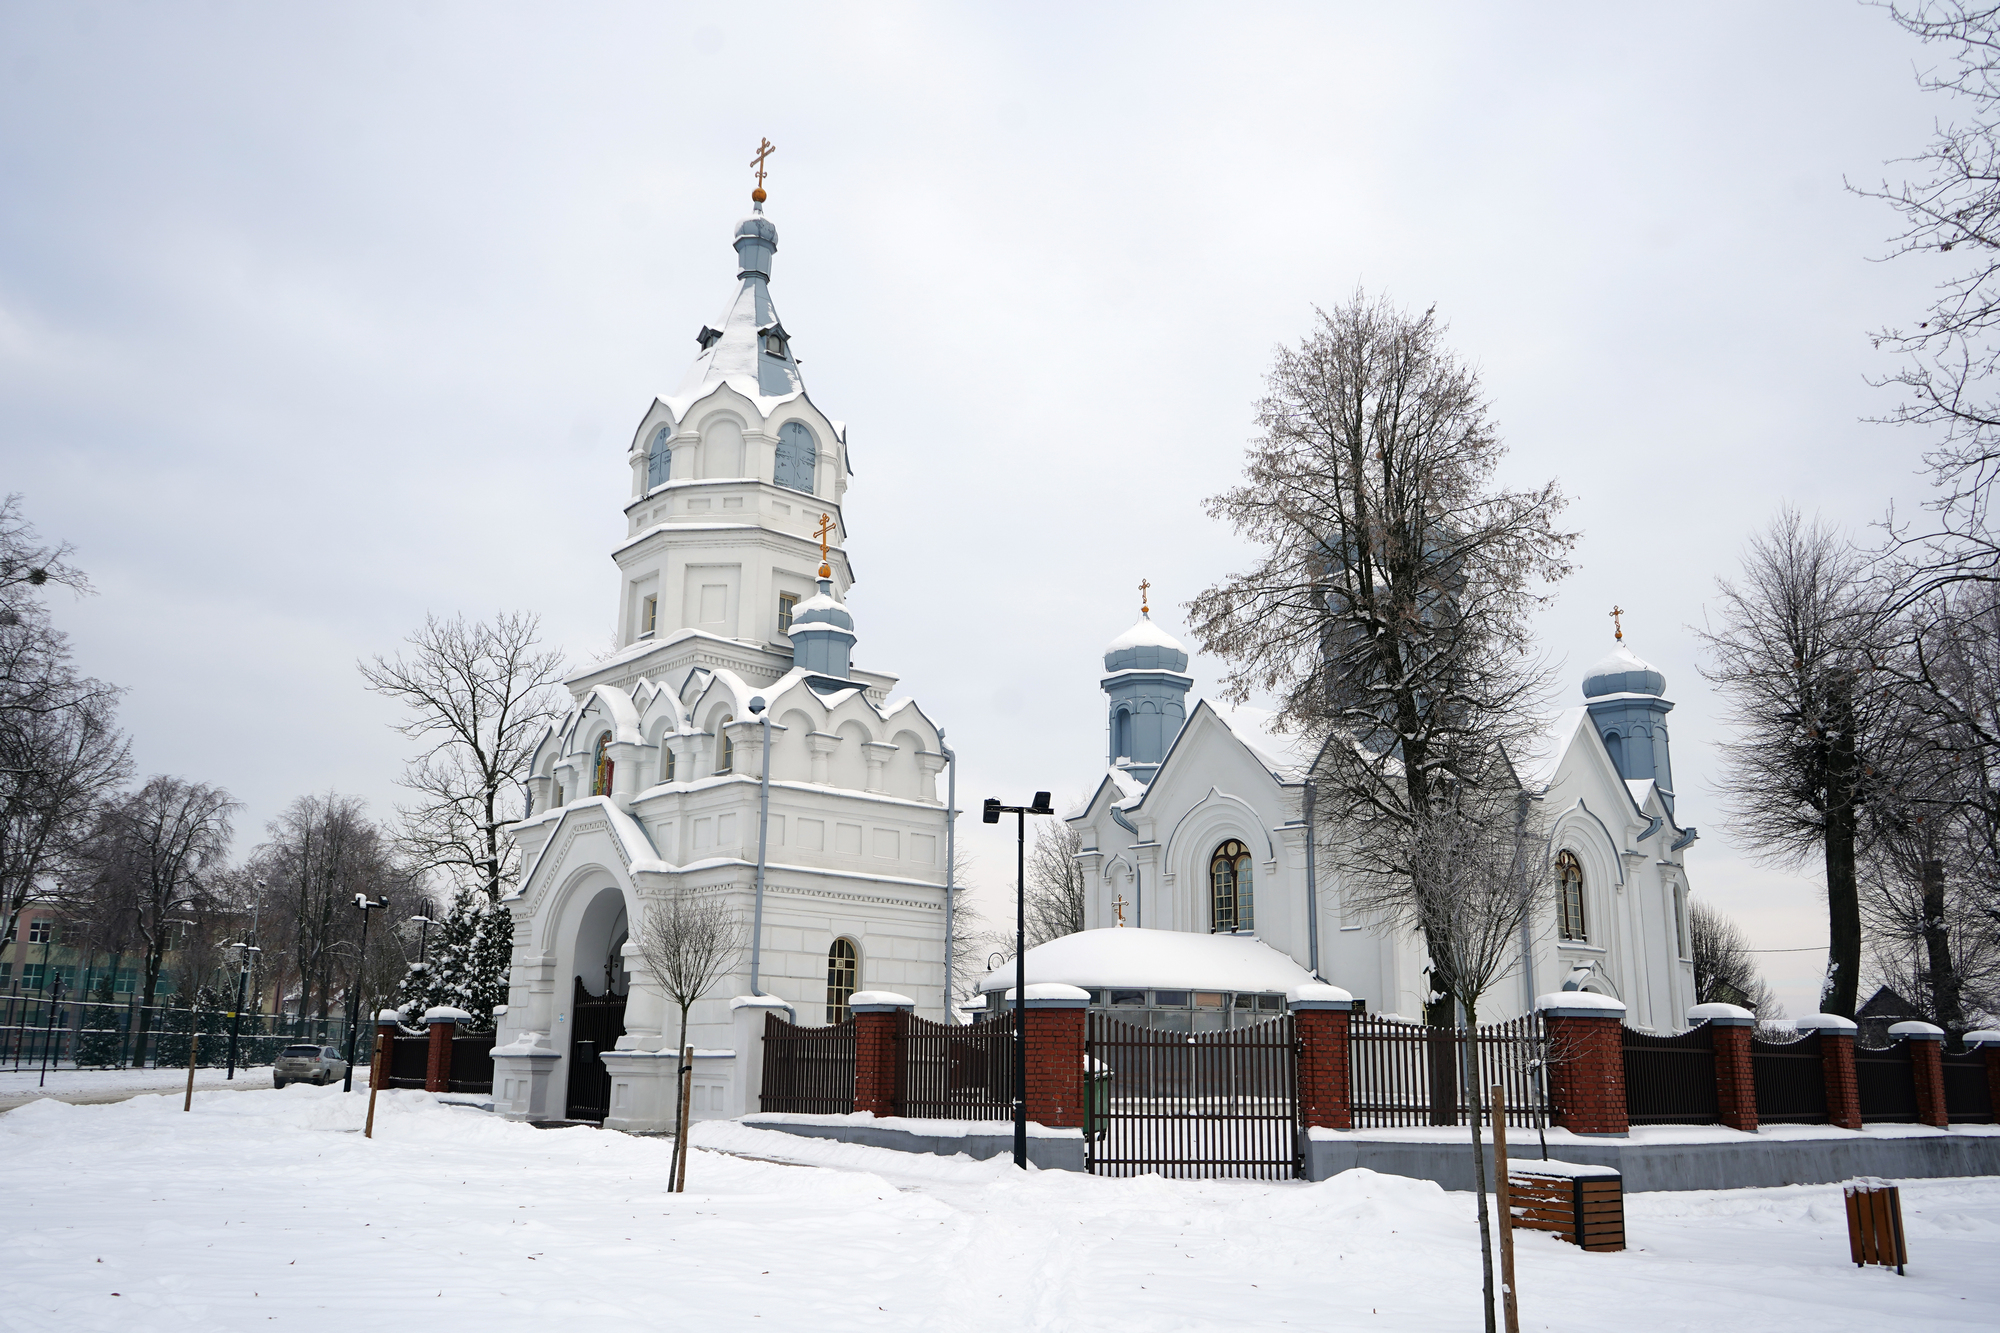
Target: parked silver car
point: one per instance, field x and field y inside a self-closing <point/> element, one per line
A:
<point x="308" y="1064"/>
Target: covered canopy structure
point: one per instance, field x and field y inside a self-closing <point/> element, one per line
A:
<point x="1171" y="979"/>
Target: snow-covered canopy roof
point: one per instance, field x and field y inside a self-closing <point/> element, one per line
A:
<point x="1182" y="960"/>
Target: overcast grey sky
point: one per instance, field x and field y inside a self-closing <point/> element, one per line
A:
<point x="314" y="319"/>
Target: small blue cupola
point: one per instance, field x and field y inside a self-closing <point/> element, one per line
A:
<point x="1147" y="681"/>
<point x="756" y="242"/>
<point x="822" y="634"/>
<point x="1625" y="695"/>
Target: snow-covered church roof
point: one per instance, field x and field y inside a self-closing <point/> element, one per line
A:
<point x="1145" y="647"/>
<point x="1124" y="956"/>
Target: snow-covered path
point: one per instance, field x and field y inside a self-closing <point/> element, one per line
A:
<point x="81" y="1086"/>
<point x="267" y="1206"/>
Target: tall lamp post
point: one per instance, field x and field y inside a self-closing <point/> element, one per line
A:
<point x="244" y="949"/>
<point x="993" y="811"/>
<point x="760" y="711"/>
<point x="364" y="906"/>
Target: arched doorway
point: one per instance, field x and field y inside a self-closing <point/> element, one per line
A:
<point x="597" y="1005"/>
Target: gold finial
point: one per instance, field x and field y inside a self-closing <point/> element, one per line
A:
<point x="1616" y="612"/>
<point x="1144" y="609"/>
<point x="764" y="150"/>
<point x="825" y="527"/>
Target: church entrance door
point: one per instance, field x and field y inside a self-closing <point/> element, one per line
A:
<point x="596" y="1024"/>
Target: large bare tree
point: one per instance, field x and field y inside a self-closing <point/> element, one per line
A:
<point x="1951" y="205"/>
<point x="1389" y="606"/>
<point x="1055" y="882"/>
<point x="1797" y="652"/>
<point x="1725" y="971"/>
<point x="320" y="852"/>
<point x="477" y="695"/>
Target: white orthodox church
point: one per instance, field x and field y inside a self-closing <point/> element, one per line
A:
<point x="731" y="579"/>
<point x="1199" y="828"/>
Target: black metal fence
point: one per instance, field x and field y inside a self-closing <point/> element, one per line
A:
<point x="1968" y="1097"/>
<point x="1791" y="1081"/>
<point x="1192" y="1105"/>
<point x="1410" y="1074"/>
<point x="1887" y="1082"/>
<point x="410" y="1061"/>
<point x="808" y="1070"/>
<point x="957" y="1072"/>
<point x="88" y="1034"/>
<point x="472" y="1062"/>
<point x="1670" y="1080"/>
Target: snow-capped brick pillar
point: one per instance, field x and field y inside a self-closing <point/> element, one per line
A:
<point x="1586" y="1061"/>
<point x="388" y="1023"/>
<point x="1320" y="1017"/>
<point x="1729" y="1027"/>
<point x="1927" y="1062"/>
<point x="443" y="1023"/>
<point x="1055" y="1024"/>
<point x="878" y="1068"/>
<point x="1836" y="1056"/>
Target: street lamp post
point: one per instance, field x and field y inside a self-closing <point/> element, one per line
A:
<point x="364" y="906"/>
<point x="244" y="950"/>
<point x="993" y="811"/>
<point x="761" y="711"/>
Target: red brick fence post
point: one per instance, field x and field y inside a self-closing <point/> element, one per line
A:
<point x="443" y="1023"/>
<point x="1926" y="1049"/>
<point x="1586" y="1061"/>
<point x="878" y="1072"/>
<point x="1729" y="1028"/>
<point x="1836" y="1055"/>
<point x="1055" y="1031"/>
<point x="1320" y="1018"/>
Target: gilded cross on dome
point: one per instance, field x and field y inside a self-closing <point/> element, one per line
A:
<point x="764" y="150"/>
<point x="1144" y="609"/>
<point x="1617" y="624"/>
<point x="825" y="528"/>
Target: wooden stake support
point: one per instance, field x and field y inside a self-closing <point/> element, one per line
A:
<point x="1508" y="1305"/>
<point x="681" y="1137"/>
<point x="375" y="1082"/>
<point x="194" y="1049"/>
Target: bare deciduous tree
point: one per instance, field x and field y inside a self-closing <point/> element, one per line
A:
<point x="478" y="695"/>
<point x="1725" y="972"/>
<point x="321" y="851"/>
<point x="1796" y="653"/>
<point x="1389" y="609"/>
<point x="1478" y="874"/>
<point x="1055" y="882"/>
<point x="689" y="941"/>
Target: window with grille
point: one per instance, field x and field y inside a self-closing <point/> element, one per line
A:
<point x="788" y="602"/>
<point x="1231" y="905"/>
<point x="1569" y="880"/>
<point x="666" y="761"/>
<point x="39" y="931"/>
<point x="725" y="748"/>
<point x="843" y="964"/>
<point x="797" y="456"/>
<point x="660" y="458"/>
<point x="649" y="614"/>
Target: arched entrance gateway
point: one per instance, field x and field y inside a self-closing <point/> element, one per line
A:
<point x="596" y="1017"/>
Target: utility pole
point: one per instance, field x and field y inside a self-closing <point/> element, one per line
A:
<point x="991" y="815"/>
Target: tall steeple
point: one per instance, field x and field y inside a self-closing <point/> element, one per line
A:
<point x="1147" y="682"/>
<point x="1626" y="697"/>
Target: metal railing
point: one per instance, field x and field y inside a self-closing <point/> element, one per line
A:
<point x="1406" y="1074"/>
<point x="1202" y="1105"/>
<point x="1670" y="1080"/>
<point x="957" y="1072"/>
<point x="89" y="1034"/>
<point x="1968" y="1097"/>
<point x="808" y="1070"/>
<point x="1791" y="1080"/>
<point x="1887" y="1082"/>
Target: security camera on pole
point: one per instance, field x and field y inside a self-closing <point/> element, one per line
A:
<point x="364" y="906"/>
<point x="993" y="811"/>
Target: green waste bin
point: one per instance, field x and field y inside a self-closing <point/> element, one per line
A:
<point x="1096" y="1098"/>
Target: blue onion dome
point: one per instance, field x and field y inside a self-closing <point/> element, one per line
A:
<point x="759" y="226"/>
<point x="1623" y="672"/>
<point x="756" y="241"/>
<point x="1145" y="647"/>
<point x="822" y="611"/>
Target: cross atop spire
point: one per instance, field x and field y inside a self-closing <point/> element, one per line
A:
<point x="764" y="150"/>
<point x="1144" y="609"/>
<point x="1617" y="624"/>
<point x="822" y="532"/>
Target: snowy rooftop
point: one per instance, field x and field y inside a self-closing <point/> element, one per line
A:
<point x="1145" y="634"/>
<point x="1287" y="754"/>
<point x="1152" y="958"/>
<point x="1623" y="671"/>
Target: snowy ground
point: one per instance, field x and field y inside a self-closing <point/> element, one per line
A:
<point x="18" y="1086"/>
<point x="268" y="1206"/>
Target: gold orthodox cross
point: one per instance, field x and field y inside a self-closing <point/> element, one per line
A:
<point x="1144" y="609"/>
<point x="1118" y="904"/>
<point x="1616" y="624"/>
<point x="825" y="527"/>
<point x="764" y="150"/>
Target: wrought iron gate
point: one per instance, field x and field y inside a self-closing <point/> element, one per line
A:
<point x="596" y="1024"/>
<point x="1188" y="1105"/>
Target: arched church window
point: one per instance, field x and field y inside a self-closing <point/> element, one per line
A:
<point x="1230" y="901"/>
<point x="601" y="766"/>
<point x="666" y="761"/>
<point x="843" y="965"/>
<point x="660" y="458"/>
<point x="1614" y="745"/>
<point x="725" y="748"/>
<point x="1569" y="885"/>
<point x="1121" y="738"/>
<point x="797" y="454"/>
